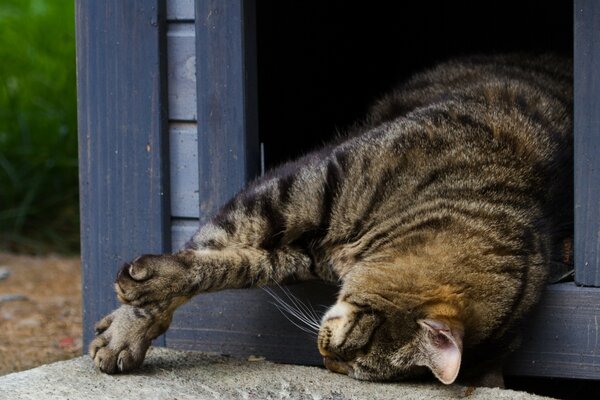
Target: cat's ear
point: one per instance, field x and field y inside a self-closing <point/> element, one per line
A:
<point x="441" y="349"/>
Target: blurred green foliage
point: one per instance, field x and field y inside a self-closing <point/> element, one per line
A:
<point x="38" y="138"/>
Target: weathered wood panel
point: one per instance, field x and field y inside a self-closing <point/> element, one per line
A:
<point x="183" y="140"/>
<point x="123" y="149"/>
<point x="181" y="231"/>
<point x="563" y="337"/>
<point x="587" y="143"/>
<point x="227" y="111"/>
<point x="245" y="322"/>
<point x="182" y="71"/>
<point x="180" y="10"/>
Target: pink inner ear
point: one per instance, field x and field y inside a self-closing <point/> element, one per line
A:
<point x="441" y="340"/>
<point x="442" y="349"/>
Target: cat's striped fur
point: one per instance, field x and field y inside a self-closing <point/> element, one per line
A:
<point x="442" y="216"/>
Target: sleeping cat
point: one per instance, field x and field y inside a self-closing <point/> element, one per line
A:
<point x="442" y="216"/>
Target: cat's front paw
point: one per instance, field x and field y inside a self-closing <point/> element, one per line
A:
<point x="150" y="279"/>
<point x="123" y="337"/>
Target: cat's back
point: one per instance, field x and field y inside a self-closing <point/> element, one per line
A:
<point x="496" y="109"/>
<point x="533" y="84"/>
<point x="480" y="135"/>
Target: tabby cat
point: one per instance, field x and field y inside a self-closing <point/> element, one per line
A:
<point x="442" y="216"/>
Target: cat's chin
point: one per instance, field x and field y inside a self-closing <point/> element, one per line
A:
<point x="337" y="366"/>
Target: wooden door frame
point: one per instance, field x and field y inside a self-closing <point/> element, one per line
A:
<point x="123" y="149"/>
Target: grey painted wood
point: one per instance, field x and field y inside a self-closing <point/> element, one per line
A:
<point x="587" y="143"/>
<point x="181" y="231"/>
<point x="245" y="322"/>
<point x="563" y="337"/>
<point x="227" y="111"/>
<point x="121" y="82"/>
<point x="181" y="49"/>
<point x="180" y="10"/>
<point x="183" y="140"/>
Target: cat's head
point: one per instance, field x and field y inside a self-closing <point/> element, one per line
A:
<point x="382" y="335"/>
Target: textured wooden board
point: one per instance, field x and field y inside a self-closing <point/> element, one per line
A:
<point x="563" y="337"/>
<point x="181" y="53"/>
<point x="245" y="322"/>
<point x="180" y="10"/>
<point x="181" y="231"/>
<point x="122" y="123"/>
<point x="587" y="143"/>
<point x="228" y="153"/>
<point x="183" y="141"/>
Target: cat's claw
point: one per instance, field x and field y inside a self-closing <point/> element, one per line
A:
<point x="122" y="339"/>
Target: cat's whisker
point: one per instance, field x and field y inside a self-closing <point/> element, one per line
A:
<point x="286" y="309"/>
<point x="324" y="308"/>
<point x="301" y="327"/>
<point x="313" y="313"/>
<point x="303" y="317"/>
<point x="297" y="309"/>
<point x="296" y="303"/>
<point x="300" y="306"/>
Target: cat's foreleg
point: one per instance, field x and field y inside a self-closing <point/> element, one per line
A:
<point x="152" y="287"/>
<point x="160" y="279"/>
<point x="265" y="235"/>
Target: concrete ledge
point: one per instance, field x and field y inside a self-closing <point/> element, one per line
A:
<point x="170" y="374"/>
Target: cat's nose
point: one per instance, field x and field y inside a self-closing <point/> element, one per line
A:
<point x="325" y="349"/>
<point x="324" y="352"/>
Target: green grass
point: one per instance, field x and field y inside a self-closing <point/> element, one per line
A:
<point x="38" y="138"/>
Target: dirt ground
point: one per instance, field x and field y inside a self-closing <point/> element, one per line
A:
<point x="40" y="310"/>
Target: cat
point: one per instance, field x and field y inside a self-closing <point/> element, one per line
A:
<point x="442" y="216"/>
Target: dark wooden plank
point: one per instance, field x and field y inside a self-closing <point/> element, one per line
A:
<point x="121" y="81"/>
<point x="228" y="153"/>
<point x="563" y="337"/>
<point x="587" y="143"/>
<point x="245" y="322"/>
<point x="561" y="340"/>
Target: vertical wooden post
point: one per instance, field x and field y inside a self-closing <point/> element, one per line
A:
<point x="121" y="71"/>
<point x="228" y="152"/>
<point x="587" y="142"/>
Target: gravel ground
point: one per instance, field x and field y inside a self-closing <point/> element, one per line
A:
<point x="40" y="310"/>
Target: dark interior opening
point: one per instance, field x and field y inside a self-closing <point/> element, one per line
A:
<point x="322" y="63"/>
